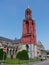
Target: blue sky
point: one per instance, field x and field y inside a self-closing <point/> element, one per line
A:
<point x="12" y="13"/>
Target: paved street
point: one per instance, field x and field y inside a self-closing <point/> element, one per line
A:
<point x="3" y="64"/>
<point x="46" y="62"/>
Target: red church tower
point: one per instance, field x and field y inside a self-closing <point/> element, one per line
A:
<point x="29" y="29"/>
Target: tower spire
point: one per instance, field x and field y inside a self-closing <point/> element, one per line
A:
<point x="28" y="13"/>
<point x="28" y="6"/>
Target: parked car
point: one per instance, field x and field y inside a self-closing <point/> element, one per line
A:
<point x="43" y="58"/>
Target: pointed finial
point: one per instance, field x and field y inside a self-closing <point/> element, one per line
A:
<point x="28" y="6"/>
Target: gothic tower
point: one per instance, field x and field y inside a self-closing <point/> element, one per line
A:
<point x="29" y="32"/>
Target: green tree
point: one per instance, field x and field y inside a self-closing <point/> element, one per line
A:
<point x="1" y="54"/>
<point x="23" y="55"/>
<point x="5" y="55"/>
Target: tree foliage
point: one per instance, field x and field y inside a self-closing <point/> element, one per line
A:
<point x="5" y="55"/>
<point x="23" y="55"/>
<point x="1" y="54"/>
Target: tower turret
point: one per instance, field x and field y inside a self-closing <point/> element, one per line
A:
<point x="28" y="13"/>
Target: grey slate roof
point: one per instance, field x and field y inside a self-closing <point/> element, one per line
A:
<point x="9" y="40"/>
